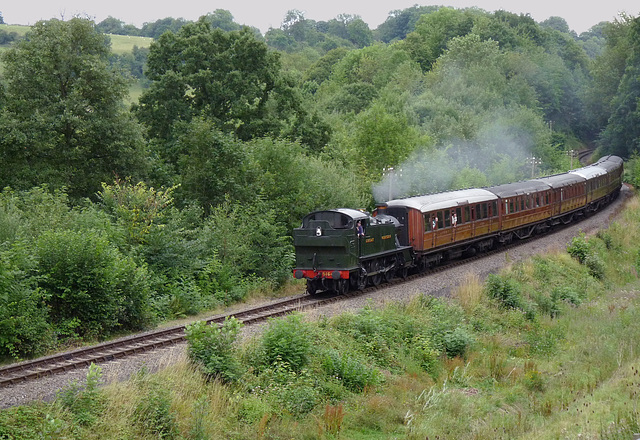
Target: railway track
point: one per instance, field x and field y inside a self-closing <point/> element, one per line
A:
<point x="132" y="345"/>
<point x="136" y="344"/>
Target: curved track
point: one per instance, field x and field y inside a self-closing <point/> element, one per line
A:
<point x="80" y="358"/>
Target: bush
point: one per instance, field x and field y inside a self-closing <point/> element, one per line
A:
<point x="24" y="327"/>
<point x="427" y="356"/>
<point x="354" y="375"/>
<point x="85" y="404"/>
<point x="568" y="294"/>
<point x="457" y="342"/>
<point x="288" y="340"/>
<point x="86" y="280"/>
<point x="153" y="413"/>
<point x="579" y="248"/>
<point x="505" y="290"/>
<point x="595" y="265"/>
<point x="212" y="348"/>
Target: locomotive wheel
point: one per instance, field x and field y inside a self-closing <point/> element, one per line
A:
<point x="388" y="276"/>
<point x="342" y="287"/>
<point x="376" y="279"/>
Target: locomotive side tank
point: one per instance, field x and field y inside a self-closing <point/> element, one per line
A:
<point x="340" y="249"/>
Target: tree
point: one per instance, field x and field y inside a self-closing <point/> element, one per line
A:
<point x="557" y="23"/>
<point x="622" y="135"/>
<point x="64" y="122"/>
<point x="159" y="27"/>
<point x="222" y="19"/>
<point x="209" y="164"/>
<point x="433" y="32"/>
<point x="399" y="23"/>
<point x="231" y="79"/>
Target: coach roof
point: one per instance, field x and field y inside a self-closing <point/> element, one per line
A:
<point x="518" y="188"/>
<point x="449" y="199"/>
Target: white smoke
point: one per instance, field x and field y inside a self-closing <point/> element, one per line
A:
<point x="498" y="155"/>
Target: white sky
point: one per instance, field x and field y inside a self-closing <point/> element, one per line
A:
<point x="266" y="14"/>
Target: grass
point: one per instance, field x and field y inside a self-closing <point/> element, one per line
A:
<point x="561" y="362"/>
<point x="121" y="44"/>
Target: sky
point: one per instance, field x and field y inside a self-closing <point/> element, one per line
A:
<point x="269" y="14"/>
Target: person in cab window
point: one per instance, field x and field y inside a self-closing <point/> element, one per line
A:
<point x="360" y="229"/>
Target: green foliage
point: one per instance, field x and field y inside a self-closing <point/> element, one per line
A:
<point x="434" y="30"/>
<point x="621" y="135"/>
<point x="595" y="265"/>
<point x="247" y="238"/>
<point x="582" y="250"/>
<point x="24" y="326"/>
<point x="457" y="342"/>
<point x="287" y="340"/>
<point x="153" y="413"/>
<point x="354" y="375"/>
<point x="426" y="355"/>
<point x="209" y="163"/>
<point x="85" y="403"/>
<point x="82" y="134"/>
<point x="136" y="207"/>
<point x="212" y="348"/>
<point x="579" y="248"/>
<point x="296" y="182"/>
<point x="534" y="381"/>
<point x="84" y="279"/>
<point x="505" y="290"/>
<point x="231" y="79"/>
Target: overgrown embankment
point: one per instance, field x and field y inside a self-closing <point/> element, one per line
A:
<point x="546" y="349"/>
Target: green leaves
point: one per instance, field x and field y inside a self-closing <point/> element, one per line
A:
<point x="64" y="121"/>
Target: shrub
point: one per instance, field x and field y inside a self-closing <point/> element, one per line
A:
<point x="212" y="348"/>
<point x="354" y="375"/>
<point x="579" y="248"/>
<point x="84" y="278"/>
<point x="85" y="404"/>
<point x="24" y="329"/>
<point x="427" y="356"/>
<point x="568" y="294"/>
<point x="457" y="342"/>
<point x="153" y="412"/>
<point x="595" y="265"/>
<point x="287" y="339"/>
<point x="505" y="290"/>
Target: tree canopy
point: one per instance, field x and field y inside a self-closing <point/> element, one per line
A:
<point x="63" y="110"/>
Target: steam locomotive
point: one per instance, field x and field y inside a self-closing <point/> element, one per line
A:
<point x="343" y="249"/>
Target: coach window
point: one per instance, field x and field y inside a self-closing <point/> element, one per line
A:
<point x="521" y="203"/>
<point x="494" y="206"/>
<point x="467" y="214"/>
<point x="427" y="223"/>
<point x="511" y="206"/>
<point x="447" y="218"/>
<point x="459" y="217"/>
<point x="440" y="220"/>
